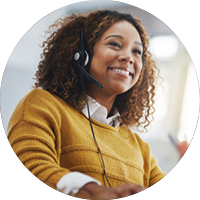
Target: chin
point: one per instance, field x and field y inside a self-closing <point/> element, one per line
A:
<point x="119" y="90"/>
<point x="119" y="87"/>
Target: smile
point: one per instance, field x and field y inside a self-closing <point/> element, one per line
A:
<point x="120" y="71"/>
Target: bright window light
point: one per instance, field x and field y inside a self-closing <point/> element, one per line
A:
<point x="164" y="47"/>
<point x="190" y="108"/>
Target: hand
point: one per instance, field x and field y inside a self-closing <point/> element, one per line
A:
<point x="97" y="192"/>
<point x="182" y="147"/>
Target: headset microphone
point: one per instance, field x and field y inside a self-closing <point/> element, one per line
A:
<point x="81" y="59"/>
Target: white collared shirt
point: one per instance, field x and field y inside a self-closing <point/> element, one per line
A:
<point x="73" y="181"/>
<point x="100" y="113"/>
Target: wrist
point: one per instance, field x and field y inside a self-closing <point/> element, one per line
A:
<point x="86" y="191"/>
<point x="90" y="185"/>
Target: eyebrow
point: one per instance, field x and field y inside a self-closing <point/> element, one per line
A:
<point x="119" y="36"/>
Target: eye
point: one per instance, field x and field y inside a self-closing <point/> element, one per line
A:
<point x="137" y="51"/>
<point x="115" y="44"/>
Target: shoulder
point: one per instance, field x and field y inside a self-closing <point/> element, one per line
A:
<point x="40" y="98"/>
<point x="143" y="145"/>
<point x="140" y="147"/>
<point x="39" y="95"/>
<point x="38" y="106"/>
<point x="139" y="138"/>
<point x="136" y="139"/>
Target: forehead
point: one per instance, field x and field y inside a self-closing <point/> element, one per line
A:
<point x="123" y="28"/>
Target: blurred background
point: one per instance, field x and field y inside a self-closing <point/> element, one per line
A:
<point x="177" y="103"/>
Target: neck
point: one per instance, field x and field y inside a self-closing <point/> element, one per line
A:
<point x="104" y="100"/>
<point x="111" y="113"/>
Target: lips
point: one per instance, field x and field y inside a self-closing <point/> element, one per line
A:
<point x="122" y="70"/>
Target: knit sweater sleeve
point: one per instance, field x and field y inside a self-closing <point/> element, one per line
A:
<point x="152" y="172"/>
<point x="33" y="133"/>
<point x="156" y="173"/>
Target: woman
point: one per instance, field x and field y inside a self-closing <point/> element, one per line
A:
<point x="50" y="131"/>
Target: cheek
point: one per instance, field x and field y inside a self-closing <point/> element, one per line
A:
<point x="102" y="59"/>
<point x="139" y="67"/>
<point x="105" y="55"/>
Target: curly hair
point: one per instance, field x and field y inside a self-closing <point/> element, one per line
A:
<point x="57" y="75"/>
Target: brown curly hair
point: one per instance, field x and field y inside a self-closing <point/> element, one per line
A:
<point x="57" y="74"/>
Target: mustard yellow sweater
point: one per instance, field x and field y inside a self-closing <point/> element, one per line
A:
<point x="52" y="139"/>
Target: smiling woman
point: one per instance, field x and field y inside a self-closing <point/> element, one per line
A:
<point x="76" y="136"/>
<point x="116" y="62"/>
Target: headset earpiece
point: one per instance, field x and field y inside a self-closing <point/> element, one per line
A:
<point x="86" y="59"/>
<point x="78" y="57"/>
<point x="81" y="59"/>
<point x="81" y="56"/>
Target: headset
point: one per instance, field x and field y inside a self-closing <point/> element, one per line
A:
<point x="81" y="58"/>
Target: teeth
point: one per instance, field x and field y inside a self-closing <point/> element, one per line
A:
<point x="121" y="71"/>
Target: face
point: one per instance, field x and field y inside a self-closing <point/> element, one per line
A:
<point x="117" y="59"/>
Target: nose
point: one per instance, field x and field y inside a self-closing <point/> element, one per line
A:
<point x="126" y="57"/>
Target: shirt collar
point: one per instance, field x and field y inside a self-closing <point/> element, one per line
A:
<point x="99" y="113"/>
